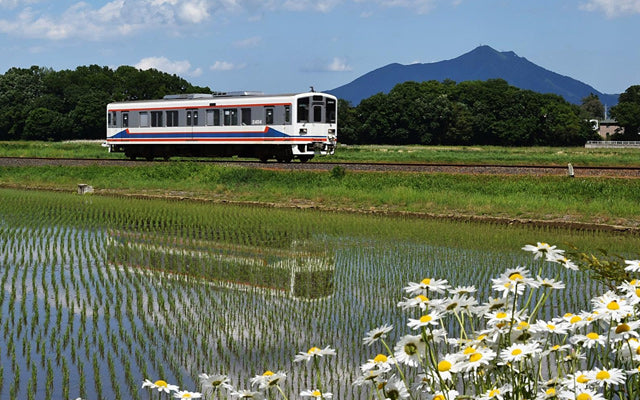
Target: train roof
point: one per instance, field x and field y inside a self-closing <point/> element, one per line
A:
<point x="226" y="95"/>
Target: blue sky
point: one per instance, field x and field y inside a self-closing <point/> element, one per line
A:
<point x="279" y="46"/>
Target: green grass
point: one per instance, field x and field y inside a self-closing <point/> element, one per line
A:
<point x="578" y="156"/>
<point x="596" y="200"/>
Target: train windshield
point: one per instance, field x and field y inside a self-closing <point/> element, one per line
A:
<point x="316" y="108"/>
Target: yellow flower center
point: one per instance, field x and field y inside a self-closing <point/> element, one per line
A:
<point x="583" y="396"/>
<point x="267" y="373"/>
<point x="501" y="315"/>
<point x="475" y="357"/>
<point x="316" y="393"/>
<point x="515" y="276"/>
<point x="422" y="298"/>
<point x="613" y="305"/>
<point x="555" y="347"/>
<point x="494" y="392"/>
<point x="426" y="318"/>
<point x="575" y="319"/>
<point x="438" y="397"/>
<point x="593" y="336"/>
<point x="186" y="395"/>
<point x="638" y="351"/>
<point x="582" y="379"/>
<point x="380" y="358"/>
<point x="603" y="375"/>
<point x="444" y="366"/>
<point x="551" y="392"/>
<point x="313" y="350"/>
<point x="482" y="337"/>
<point x="426" y="281"/>
<point x="469" y="350"/>
<point x="160" y="383"/>
<point x="551" y="327"/>
<point x="638" y="292"/>
<point x="516" y="352"/>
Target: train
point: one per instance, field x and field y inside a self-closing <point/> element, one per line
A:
<point x="282" y="127"/>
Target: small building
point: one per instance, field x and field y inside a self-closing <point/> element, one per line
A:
<point x="607" y="127"/>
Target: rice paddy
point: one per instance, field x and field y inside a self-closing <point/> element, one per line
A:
<point x="99" y="294"/>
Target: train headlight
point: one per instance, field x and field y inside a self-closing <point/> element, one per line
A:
<point x="303" y="131"/>
<point x="332" y="131"/>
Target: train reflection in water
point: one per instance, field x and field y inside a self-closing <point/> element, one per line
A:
<point x="299" y="269"/>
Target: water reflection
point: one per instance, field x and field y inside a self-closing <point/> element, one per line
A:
<point x="301" y="269"/>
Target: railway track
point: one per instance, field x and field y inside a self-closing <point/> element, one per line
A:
<point x="493" y="169"/>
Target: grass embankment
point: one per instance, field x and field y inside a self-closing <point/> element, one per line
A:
<point x="578" y="156"/>
<point x="587" y="200"/>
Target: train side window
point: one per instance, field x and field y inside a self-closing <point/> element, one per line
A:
<point x="125" y="120"/>
<point x="331" y="111"/>
<point x="303" y="109"/>
<point x="188" y="118"/>
<point x="195" y="118"/>
<point x="109" y="118"/>
<point x="216" y="117"/>
<point x="172" y="118"/>
<point x="246" y="116"/>
<point x="230" y="116"/>
<point x="156" y="118"/>
<point x="287" y="114"/>
<point x="268" y="115"/>
<point x="317" y="113"/>
<point x="208" y="117"/>
<point x="144" y="119"/>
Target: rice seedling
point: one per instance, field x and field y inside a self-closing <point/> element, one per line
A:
<point x="168" y="290"/>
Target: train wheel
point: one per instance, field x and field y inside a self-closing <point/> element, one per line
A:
<point x="132" y="158"/>
<point x="263" y="159"/>
<point x="149" y="158"/>
<point x="304" y="159"/>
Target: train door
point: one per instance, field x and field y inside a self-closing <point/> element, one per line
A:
<point x="193" y="119"/>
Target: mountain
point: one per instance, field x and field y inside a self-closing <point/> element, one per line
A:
<point x="482" y="63"/>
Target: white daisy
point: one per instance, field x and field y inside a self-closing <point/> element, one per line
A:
<point x="589" y="340"/>
<point x="409" y="350"/>
<point x="447" y="366"/>
<point x="472" y="358"/>
<point x="268" y="379"/>
<point x="375" y="334"/>
<point x="581" y="393"/>
<point x="513" y="281"/>
<point x="549" y="283"/>
<point x="611" y="306"/>
<point x="185" y="394"/>
<point x="314" y="352"/>
<point x="496" y="393"/>
<point x="427" y="285"/>
<point x="161" y="385"/>
<point x="613" y="376"/>
<point x="433" y="318"/>
<point x="419" y="301"/>
<point x="542" y="249"/>
<point x="316" y="394"/>
<point x="632" y="265"/>
<point x="395" y="389"/>
<point x="556" y="326"/>
<point x="211" y="383"/>
<point x="247" y="394"/>
<point x="517" y="352"/>
<point x="379" y="362"/>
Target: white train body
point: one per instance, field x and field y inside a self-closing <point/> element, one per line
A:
<point x="282" y="127"/>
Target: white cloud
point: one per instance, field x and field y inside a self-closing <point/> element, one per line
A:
<point x="181" y="68"/>
<point x="338" y="65"/>
<point x="113" y="19"/>
<point x="248" y="42"/>
<point x="226" y="66"/>
<point x="613" y="8"/>
<point x="317" y="5"/>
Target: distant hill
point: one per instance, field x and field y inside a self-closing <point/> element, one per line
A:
<point x="482" y="63"/>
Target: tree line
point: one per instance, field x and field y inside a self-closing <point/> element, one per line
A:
<point x="39" y="103"/>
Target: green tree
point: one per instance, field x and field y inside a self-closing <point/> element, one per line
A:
<point x="45" y="124"/>
<point x="592" y="107"/>
<point x="627" y="113"/>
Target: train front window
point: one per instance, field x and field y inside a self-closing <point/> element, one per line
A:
<point x="303" y="109"/>
<point x="317" y="113"/>
<point x="246" y="116"/>
<point x="331" y="111"/>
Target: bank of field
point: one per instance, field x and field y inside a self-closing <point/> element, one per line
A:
<point x="594" y="200"/>
<point x="578" y="156"/>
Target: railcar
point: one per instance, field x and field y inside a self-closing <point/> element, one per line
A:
<point x="245" y="124"/>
